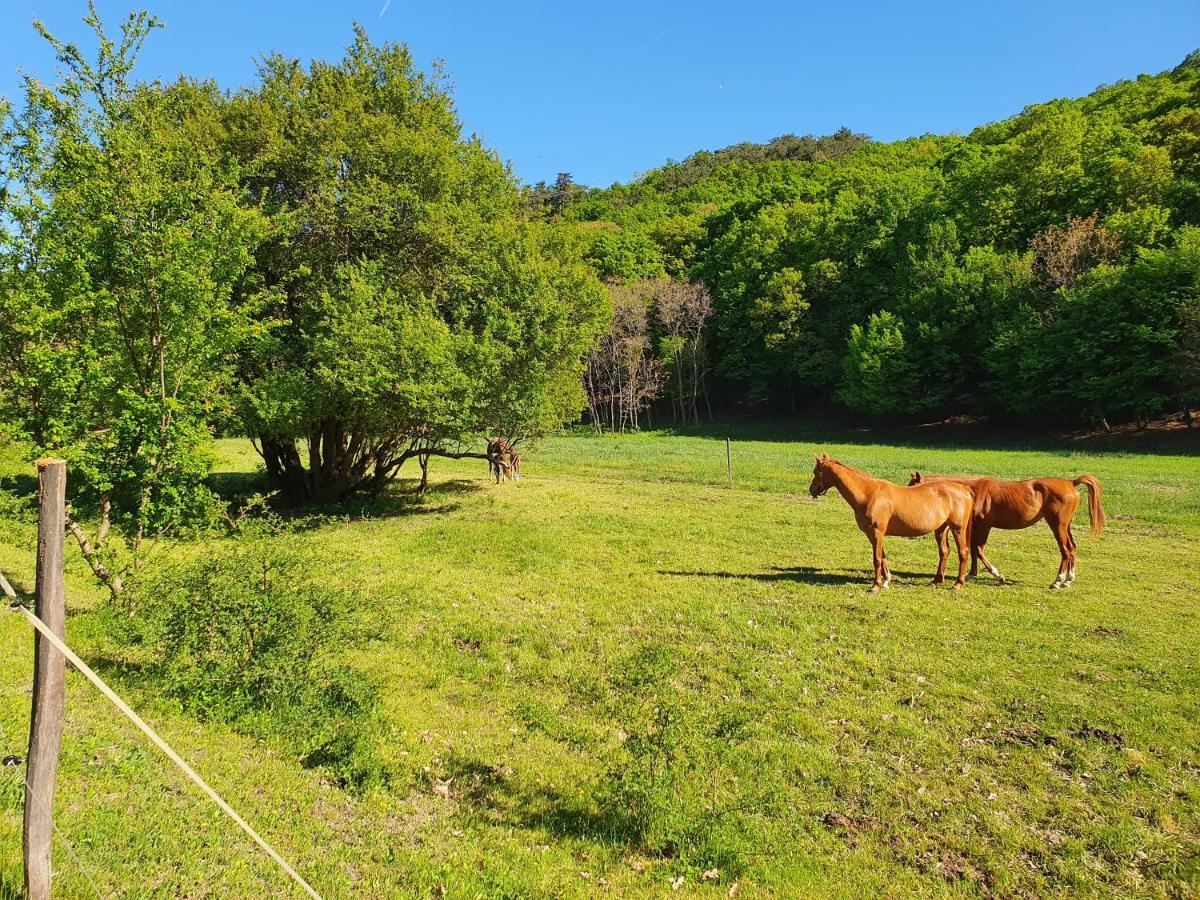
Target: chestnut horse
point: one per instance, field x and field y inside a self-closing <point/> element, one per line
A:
<point x="503" y="460"/>
<point x="1019" y="504"/>
<point x="882" y="508"/>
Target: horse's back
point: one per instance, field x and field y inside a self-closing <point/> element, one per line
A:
<point x="926" y="507"/>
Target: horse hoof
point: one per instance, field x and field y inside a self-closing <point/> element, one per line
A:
<point x="1056" y="586"/>
<point x="874" y="589"/>
<point x="958" y="584"/>
<point x="936" y="582"/>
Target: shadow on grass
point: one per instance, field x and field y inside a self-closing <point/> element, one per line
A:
<point x="19" y="486"/>
<point x="399" y="499"/>
<point x="11" y="889"/>
<point x="798" y="574"/>
<point x="495" y="792"/>
<point x="975" y="433"/>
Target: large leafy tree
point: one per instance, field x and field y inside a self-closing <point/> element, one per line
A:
<point x="406" y="303"/>
<point x="123" y="237"/>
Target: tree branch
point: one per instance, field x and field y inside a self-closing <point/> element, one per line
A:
<point x="112" y="582"/>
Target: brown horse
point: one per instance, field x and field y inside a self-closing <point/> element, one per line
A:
<point x="882" y="508"/>
<point x="504" y="462"/>
<point x="1019" y="504"/>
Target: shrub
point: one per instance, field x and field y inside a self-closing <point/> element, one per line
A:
<point x="669" y="778"/>
<point x="248" y="635"/>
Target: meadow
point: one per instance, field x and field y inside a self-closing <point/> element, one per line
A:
<point x="618" y="676"/>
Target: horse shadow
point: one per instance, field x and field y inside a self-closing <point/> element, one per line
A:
<point x="797" y="575"/>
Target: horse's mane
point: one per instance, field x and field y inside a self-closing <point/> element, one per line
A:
<point x="853" y="469"/>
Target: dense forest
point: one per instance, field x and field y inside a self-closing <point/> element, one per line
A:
<point x="1043" y="267"/>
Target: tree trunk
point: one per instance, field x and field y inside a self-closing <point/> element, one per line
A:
<point x="341" y="468"/>
<point x="423" y="461"/>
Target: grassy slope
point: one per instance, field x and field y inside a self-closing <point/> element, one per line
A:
<point x="942" y="725"/>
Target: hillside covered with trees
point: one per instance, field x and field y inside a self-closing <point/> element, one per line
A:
<point x="1043" y="267"/>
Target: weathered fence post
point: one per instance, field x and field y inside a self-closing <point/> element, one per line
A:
<point x="49" y="680"/>
<point x="729" y="462"/>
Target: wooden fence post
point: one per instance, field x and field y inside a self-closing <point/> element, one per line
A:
<point x="729" y="462"/>
<point x="49" y="680"/>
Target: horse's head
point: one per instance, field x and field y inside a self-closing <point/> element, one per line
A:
<point x="917" y="478"/>
<point x="822" y="476"/>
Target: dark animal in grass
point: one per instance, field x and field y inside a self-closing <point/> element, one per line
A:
<point x="504" y="462"/>
<point x="1019" y="504"/>
<point x="882" y="508"/>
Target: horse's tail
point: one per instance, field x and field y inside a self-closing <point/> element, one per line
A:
<point x="1095" y="510"/>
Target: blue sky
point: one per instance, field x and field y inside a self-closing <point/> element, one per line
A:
<point x="608" y="88"/>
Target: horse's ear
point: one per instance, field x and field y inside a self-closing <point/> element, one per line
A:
<point x="916" y="477"/>
<point x="825" y="456"/>
<point x="816" y="458"/>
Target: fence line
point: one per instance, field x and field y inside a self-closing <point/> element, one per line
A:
<point x="162" y="745"/>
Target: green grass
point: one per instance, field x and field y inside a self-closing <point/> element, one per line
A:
<point x="630" y="673"/>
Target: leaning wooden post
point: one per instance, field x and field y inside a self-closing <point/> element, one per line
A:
<point x="49" y="680"/>
<point x="729" y="462"/>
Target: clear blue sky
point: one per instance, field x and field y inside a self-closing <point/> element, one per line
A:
<point x="608" y="88"/>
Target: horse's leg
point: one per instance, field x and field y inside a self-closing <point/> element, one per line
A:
<point x="977" y="554"/>
<point x="943" y="542"/>
<point x="887" y="571"/>
<point x="964" y="551"/>
<point x="1063" y="539"/>
<point x="877" y="549"/>
<point x="1071" y="563"/>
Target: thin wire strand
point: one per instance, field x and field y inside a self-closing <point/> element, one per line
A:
<point x="62" y="836"/>
<point x="162" y="745"/>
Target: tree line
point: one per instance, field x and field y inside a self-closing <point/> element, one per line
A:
<point x="1045" y="267"/>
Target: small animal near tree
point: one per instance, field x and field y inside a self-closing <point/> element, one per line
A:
<point x="504" y="462"/>
<point x="1019" y="504"/>
<point x="882" y="508"/>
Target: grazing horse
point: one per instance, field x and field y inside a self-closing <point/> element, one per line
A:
<point x="497" y="455"/>
<point x="504" y="462"/>
<point x="882" y="508"/>
<point x="1019" y="504"/>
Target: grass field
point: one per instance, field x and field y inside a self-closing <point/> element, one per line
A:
<point x="618" y="674"/>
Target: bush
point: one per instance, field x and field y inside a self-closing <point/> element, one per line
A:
<point x="670" y="779"/>
<point x="249" y="636"/>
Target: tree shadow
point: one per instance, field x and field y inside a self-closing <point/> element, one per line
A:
<point x="11" y="888"/>
<point x="232" y="486"/>
<point x="958" y="433"/>
<point x="498" y="794"/>
<point x="798" y="574"/>
<point x="19" y="485"/>
<point x="400" y="498"/>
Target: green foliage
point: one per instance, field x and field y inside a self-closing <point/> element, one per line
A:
<point x="664" y="778"/>
<point x="625" y="254"/>
<point x="126" y="236"/>
<point x="807" y="253"/>
<point x="251" y="635"/>
<point x="878" y="377"/>
<point x="406" y="304"/>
